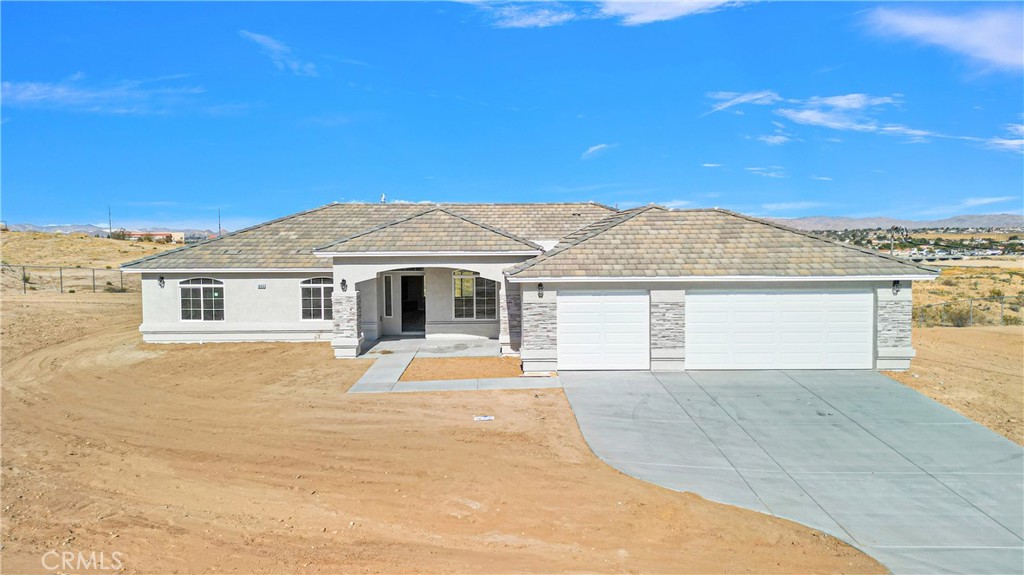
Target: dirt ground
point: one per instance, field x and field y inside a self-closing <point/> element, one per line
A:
<point x="431" y="368"/>
<point x="1006" y="262"/>
<point x="978" y="371"/>
<point x="249" y="458"/>
<point x="28" y="248"/>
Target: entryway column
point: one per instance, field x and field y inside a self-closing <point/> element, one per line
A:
<point x="509" y="318"/>
<point x="347" y="339"/>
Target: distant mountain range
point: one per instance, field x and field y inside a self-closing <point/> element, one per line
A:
<point x="966" y="221"/>
<point x="90" y="229"/>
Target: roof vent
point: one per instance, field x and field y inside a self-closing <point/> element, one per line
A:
<point x="231" y="252"/>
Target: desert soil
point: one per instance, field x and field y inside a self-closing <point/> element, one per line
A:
<point x="37" y="248"/>
<point x="977" y="371"/>
<point x="431" y="368"/>
<point x="1005" y="262"/>
<point x="251" y="458"/>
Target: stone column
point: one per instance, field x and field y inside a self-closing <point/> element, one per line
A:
<point x="539" y="348"/>
<point x="668" y="330"/>
<point x="893" y="321"/>
<point x="347" y="339"/>
<point x="509" y="318"/>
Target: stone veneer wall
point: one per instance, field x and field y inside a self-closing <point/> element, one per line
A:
<point x="347" y="339"/>
<point x="668" y="325"/>
<point x="539" y="325"/>
<point x="894" y="321"/>
<point x="514" y="301"/>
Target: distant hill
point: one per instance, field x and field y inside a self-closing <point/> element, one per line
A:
<point x="90" y="229"/>
<point x="966" y="221"/>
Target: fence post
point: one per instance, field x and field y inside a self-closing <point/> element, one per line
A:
<point x="122" y="281"/>
<point x="24" y="281"/>
<point x="61" y="271"/>
<point x="93" y="280"/>
<point x="1001" y="298"/>
<point x="970" y="320"/>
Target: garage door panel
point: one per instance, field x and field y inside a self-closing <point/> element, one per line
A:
<point x="603" y="330"/>
<point x="780" y="329"/>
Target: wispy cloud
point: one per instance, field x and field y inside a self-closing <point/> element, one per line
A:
<point x="676" y="204"/>
<point x="821" y="178"/>
<point x="791" y="206"/>
<point x="993" y="37"/>
<point x="152" y="96"/>
<point x="769" y="172"/>
<point x="594" y="150"/>
<point x="280" y="54"/>
<point x="774" y="139"/>
<point x="1012" y="141"/>
<point x="514" y="14"/>
<point x="711" y="165"/>
<point x="974" y="202"/>
<point x="727" y="100"/>
<point x="532" y="16"/>
<point x="638" y="12"/>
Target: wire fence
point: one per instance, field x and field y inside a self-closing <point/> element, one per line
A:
<point x="995" y="310"/>
<point x="27" y="279"/>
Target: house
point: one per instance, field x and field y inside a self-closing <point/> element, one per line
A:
<point x="564" y="286"/>
<point x="168" y="237"/>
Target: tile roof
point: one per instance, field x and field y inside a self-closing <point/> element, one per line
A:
<point x="288" y="242"/>
<point x="433" y="230"/>
<point x="656" y="242"/>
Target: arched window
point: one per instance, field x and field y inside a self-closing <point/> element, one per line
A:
<point x="202" y="299"/>
<point x="473" y="297"/>
<point x="316" y="299"/>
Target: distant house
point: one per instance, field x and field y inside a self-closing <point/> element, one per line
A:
<point x="574" y="286"/>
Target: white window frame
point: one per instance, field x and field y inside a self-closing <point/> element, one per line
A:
<point x="388" y="289"/>
<point x="201" y="283"/>
<point x="466" y="274"/>
<point x="320" y="283"/>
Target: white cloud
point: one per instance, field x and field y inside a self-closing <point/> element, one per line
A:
<point x="730" y="99"/>
<point x="974" y="202"/>
<point x="638" y="12"/>
<point x="791" y="206"/>
<point x="769" y="172"/>
<point x="155" y="96"/>
<point x="821" y="178"/>
<point x="834" y="119"/>
<point x="850" y="101"/>
<point x="675" y="204"/>
<point x="594" y="150"/>
<point x="992" y="36"/>
<point x="711" y="165"/>
<point x="527" y="16"/>
<point x="775" y="139"/>
<point x="1013" y="142"/>
<point x="280" y="54"/>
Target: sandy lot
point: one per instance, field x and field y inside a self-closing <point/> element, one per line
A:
<point x="250" y="458"/>
<point x="960" y="283"/>
<point x="36" y="248"/>
<point x="977" y="371"/>
<point x="432" y="368"/>
<point x="1006" y="262"/>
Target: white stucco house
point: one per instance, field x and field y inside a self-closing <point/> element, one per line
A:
<point x="563" y="286"/>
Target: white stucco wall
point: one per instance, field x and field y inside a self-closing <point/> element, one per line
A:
<point x="250" y="313"/>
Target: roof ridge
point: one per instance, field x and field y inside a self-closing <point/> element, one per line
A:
<point x="615" y="219"/>
<point x="435" y="208"/>
<point x="814" y="236"/>
<point x="228" y="235"/>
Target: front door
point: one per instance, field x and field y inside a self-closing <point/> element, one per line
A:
<point x="414" y="308"/>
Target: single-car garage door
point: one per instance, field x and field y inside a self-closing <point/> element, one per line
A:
<point x="604" y="330"/>
<point x="780" y="329"/>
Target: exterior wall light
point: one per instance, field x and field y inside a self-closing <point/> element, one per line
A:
<point x="896" y="287"/>
<point x="161" y="281"/>
<point x="540" y="290"/>
<point x="344" y="285"/>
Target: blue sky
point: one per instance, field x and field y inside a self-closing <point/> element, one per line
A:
<point x="169" y="111"/>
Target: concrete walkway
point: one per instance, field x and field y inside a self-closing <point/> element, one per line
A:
<point x="852" y="453"/>
<point x="393" y="356"/>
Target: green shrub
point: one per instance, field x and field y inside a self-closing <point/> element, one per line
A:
<point x="948" y="281"/>
<point x="72" y="290"/>
<point x="114" y="289"/>
<point x="957" y="315"/>
<point x="1012" y="320"/>
<point x="995" y="292"/>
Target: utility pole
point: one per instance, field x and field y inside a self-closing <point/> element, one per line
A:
<point x="218" y="223"/>
<point x="110" y="223"/>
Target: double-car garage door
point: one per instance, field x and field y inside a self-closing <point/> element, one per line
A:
<point x="728" y="329"/>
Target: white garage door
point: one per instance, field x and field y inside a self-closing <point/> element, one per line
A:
<point x="604" y="330"/>
<point x="785" y="329"/>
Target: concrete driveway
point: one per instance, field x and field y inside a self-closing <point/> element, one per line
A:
<point x="852" y="453"/>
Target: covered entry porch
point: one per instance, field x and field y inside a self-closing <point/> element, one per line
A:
<point x="388" y="299"/>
